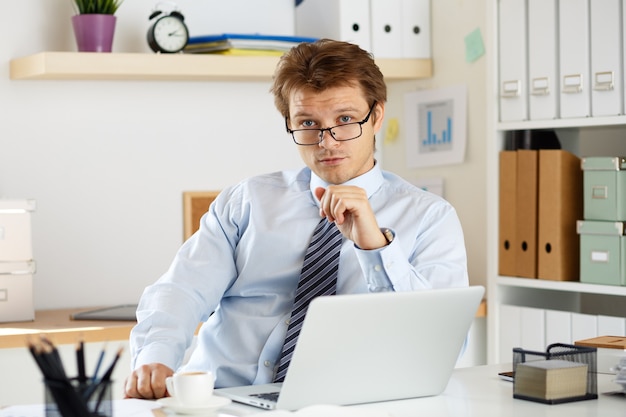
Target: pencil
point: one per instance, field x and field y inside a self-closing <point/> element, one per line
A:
<point x="80" y="362"/>
<point x="94" y="377"/>
<point x="103" y="383"/>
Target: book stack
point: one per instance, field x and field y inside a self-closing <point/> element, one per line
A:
<point x="550" y="380"/>
<point x="243" y="44"/>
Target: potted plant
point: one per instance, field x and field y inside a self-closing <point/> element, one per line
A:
<point x="94" y="24"/>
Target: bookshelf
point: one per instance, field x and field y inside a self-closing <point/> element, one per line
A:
<point x="175" y="67"/>
<point x="578" y="135"/>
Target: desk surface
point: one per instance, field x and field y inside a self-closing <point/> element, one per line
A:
<point x="62" y="329"/>
<point x="478" y="391"/>
<point x="471" y="392"/>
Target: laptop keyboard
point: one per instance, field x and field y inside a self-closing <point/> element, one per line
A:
<point x="270" y="396"/>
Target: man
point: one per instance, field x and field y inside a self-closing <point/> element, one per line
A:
<point x="239" y="273"/>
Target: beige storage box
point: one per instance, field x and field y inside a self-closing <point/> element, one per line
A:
<point x="15" y="230"/>
<point x="604" y="182"/>
<point x="16" y="291"/>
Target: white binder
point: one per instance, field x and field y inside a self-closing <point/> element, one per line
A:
<point x="416" y="29"/>
<point x="344" y="20"/>
<point x="510" y="320"/>
<point x="386" y="24"/>
<point x="543" y="73"/>
<point x="533" y="326"/>
<point x="584" y="326"/>
<point x="558" y="327"/>
<point x="575" y="97"/>
<point x="606" y="58"/>
<point x="513" y="69"/>
<point x="613" y="326"/>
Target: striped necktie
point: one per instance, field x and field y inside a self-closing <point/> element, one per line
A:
<point x="318" y="277"/>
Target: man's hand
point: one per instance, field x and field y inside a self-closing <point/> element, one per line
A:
<point x="350" y="209"/>
<point x="147" y="382"/>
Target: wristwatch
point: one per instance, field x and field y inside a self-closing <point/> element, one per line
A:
<point x="388" y="234"/>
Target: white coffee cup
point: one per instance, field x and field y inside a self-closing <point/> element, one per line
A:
<point x="192" y="389"/>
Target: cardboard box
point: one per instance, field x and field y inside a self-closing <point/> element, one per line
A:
<point x="604" y="182"/>
<point x="610" y="350"/>
<point x="15" y="230"/>
<point x="16" y="291"/>
<point x="602" y="252"/>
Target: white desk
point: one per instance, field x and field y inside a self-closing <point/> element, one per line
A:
<point x="479" y="392"/>
<point x="472" y="392"/>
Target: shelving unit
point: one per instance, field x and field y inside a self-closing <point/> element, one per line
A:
<point x="566" y="296"/>
<point x="165" y="67"/>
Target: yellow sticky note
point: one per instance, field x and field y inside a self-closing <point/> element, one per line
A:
<point x="391" y="133"/>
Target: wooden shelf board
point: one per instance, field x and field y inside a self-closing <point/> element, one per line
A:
<point x="166" y="67"/>
<point x="58" y="325"/>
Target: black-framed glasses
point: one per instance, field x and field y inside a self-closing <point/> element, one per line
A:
<point x="340" y="133"/>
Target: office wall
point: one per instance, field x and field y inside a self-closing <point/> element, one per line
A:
<point x="107" y="161"/>
<point x="464" y="184"/>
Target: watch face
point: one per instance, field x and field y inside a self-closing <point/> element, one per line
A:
<point x="170" y="34"/>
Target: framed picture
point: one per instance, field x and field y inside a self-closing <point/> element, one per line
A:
<point x="195" y="204"/>
<point x="436" y="126"/>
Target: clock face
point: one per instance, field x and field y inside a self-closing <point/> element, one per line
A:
<point x="170" y="34"/>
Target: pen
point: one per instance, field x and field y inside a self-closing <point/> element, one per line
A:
<point x="80" y="361"/>
<point x="98" y="364"/>
<point x="106" y="378"/>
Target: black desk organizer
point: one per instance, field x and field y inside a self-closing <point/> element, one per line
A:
<point x="71" y="398"/>
<point x="561" y="351"/>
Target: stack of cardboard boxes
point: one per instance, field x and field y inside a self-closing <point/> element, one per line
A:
<point x="603" y="232"/>
<point x="17" y="265"/>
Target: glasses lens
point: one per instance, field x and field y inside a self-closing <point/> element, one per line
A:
<point x="346" y="132"/>
<point x="339" y="133"/>
<point x="306" y="137"/>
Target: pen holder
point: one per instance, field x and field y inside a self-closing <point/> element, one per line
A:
<point x="72" y="398"/>
<point x="563" y="373"/>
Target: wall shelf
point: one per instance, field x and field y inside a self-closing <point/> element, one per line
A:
<point x="176" y="67"/>
<point x="568" y="286"/>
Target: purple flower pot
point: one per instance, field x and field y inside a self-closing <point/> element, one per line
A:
<point x="94" y="32"/>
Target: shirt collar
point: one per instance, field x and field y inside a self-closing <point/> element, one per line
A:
<point x="370" y="181"/>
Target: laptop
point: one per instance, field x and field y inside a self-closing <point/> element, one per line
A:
<point x="122" y="312"/>
<point x="363" y="348"/>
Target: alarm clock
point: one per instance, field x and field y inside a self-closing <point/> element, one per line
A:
<point x="168" y="33"/>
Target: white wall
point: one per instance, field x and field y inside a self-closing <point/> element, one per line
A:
<point x="107" y="161"/>
<point x="464" y="184"/>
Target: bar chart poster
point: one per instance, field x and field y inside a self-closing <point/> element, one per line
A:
<point x="436" y="126"/>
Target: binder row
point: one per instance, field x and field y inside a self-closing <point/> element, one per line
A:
<point x="386" y="28"/>
<point x="540" y="202"/>
<point x="561" y="59"/>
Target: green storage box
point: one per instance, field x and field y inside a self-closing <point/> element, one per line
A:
<point x="602" y="252"/>
<point x="604" y="182"/>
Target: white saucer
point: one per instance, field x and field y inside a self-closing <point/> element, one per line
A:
<point x="173" y="404"/>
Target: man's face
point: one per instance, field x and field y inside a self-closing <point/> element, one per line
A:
<point x="336" y="162"/>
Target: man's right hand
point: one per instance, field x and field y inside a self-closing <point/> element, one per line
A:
<point x="148" y="382"/>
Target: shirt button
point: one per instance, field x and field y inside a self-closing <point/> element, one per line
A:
<point x="288" y="322"/>
<point x="378" y="268"/>
<point x="267" y="364"/>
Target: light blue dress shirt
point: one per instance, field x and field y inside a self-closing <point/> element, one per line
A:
<point x="244" y="263"/>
